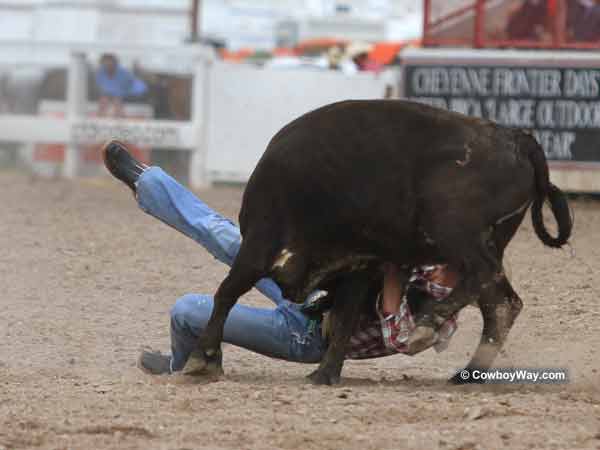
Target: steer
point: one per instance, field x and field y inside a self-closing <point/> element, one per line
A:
<point x="352" y="184"/>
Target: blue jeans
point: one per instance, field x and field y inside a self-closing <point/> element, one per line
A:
<point x="281" y="332"/>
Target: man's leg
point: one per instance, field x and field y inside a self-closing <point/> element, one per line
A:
<point x="161" y="196"/>
<point x="281" y="333"/>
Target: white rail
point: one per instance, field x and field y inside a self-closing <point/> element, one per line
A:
<point x="76" y="129"/>
<point x="235" y="110"/>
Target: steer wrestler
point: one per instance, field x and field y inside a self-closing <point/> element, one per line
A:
<point x="287" y="331"/>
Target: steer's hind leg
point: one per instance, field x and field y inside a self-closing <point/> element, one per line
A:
<point x="500" y="305"/>
<point x="250" y="265"/>
<point x="348" y="298"/>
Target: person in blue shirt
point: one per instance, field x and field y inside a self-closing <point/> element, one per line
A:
<point x="116" y="83"/>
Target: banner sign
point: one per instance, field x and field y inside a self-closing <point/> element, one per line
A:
<point x="560" y="105"/>
<point x="90" y="131"/>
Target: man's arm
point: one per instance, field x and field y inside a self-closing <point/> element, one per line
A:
<point x="397" y="320"/>
<point x="393" y="289"/>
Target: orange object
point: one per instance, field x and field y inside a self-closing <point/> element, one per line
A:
<point x="282" y="51"/>
<point x="237" y="56"/>
<point x="385" y="52"/>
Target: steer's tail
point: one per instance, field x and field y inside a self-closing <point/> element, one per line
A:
<point x="546" y="190"/>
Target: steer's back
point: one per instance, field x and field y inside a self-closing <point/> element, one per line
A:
<point x="356" y="169"/>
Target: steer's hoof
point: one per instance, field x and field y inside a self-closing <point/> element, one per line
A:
<point x="322" y="377"/>
<point x="465" y="376"/>
<point x="420" y="339"/>
<point x="201" y="365"/>
<point x="195" y="365"/>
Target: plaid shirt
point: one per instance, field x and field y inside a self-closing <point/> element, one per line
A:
<point x="388" y="335"/>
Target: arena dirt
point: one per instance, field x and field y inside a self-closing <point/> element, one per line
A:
<point x="87" y="281"/>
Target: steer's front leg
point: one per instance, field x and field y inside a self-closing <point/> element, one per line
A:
<point x="207" y="360"/>
<point x="348" y="299"/>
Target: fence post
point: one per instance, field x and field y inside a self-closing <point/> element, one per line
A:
<point x="77" y="90"/>
<point x="199" y="178"/>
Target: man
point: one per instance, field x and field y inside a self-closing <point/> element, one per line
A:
<point x="115" y="83"/>
<point x="285" y="332"/>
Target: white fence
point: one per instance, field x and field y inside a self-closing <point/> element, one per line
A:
<point x="76" y="129"/>
<point x="247" y="106"/>
<point x="235" y="111"/>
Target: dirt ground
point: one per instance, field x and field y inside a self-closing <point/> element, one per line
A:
<point x="87" y="281"/>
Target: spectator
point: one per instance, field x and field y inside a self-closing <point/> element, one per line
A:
<point x="583" y="20"/>
<point x="528" y="21"/>
<point x="359" y="53"/>
<point x="334" y="57"/>
<point x="116" y="83"/>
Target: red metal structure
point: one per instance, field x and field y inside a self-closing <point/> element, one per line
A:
<point x="551" y="24"/>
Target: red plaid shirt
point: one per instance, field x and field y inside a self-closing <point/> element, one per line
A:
<point x="388" y="335"/>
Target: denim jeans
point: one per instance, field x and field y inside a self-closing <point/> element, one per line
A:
<point x="280" y="332"/>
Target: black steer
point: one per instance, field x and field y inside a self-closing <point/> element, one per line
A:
<point x="352" y="184"/>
